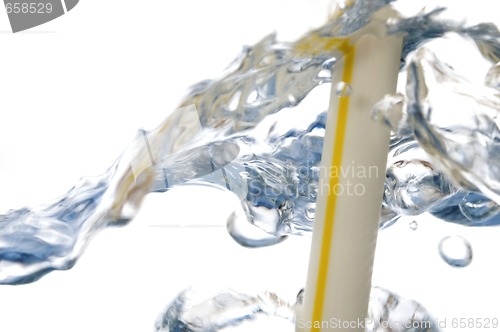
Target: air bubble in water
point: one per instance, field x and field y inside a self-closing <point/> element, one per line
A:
<point x="456" y="251"/>
<point x="343" y="89"/>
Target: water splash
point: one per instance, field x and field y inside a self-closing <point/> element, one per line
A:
<point x="389" y="311"/>
<point x="196" y="310"/>
<point x="413" y="186"/>
<point x="456" y="251"/>
<point x="36" y="241"/>
<point x="450" y="160"/>
<point x="253" y="132"/>
<point x="465" y="148"/>
<point x="224" y="128"/>
<point x="220" y="309"/>
<point x="424" y="27"/>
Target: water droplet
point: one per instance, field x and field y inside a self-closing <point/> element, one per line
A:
<point x="225" y="309"/>
<point x="388" y="309"/>
<point x="456" y="251"/>
<point x="413" y="225"/>
<point x="343" y="89"/>
<point x="492" y="78"/>
<point x="310" y="211"/>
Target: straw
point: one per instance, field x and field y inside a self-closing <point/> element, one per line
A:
<point x="351" y="182"/>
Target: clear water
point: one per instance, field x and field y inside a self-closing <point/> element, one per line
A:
<point x="249" y="132"/>
<point x="196" y="310"/>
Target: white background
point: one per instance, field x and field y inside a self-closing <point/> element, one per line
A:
<point x="74" y="91"/>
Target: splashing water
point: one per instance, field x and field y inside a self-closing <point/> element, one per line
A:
<point x="34" y="242"/>
<point x="234" y="139"/>
<point x="252" y="132"/>
<point x="197" y="310"/>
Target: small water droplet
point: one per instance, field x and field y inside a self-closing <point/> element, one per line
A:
<point x="455" y="251"/>
<point x="310" y="211"/>
<point x="413" y="225"/>
<point x="343" y="89"/>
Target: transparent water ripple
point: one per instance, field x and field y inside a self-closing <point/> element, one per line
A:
<point x="229" y="133"/>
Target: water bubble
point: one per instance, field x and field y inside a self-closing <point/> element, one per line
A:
<point x="413" y="225"/>
<point x="456" y="251"/>
<point x="343" y="89"/>
<point x="248" y="235"/>
<point x="492" y="78"/>
<point x="310" y="211"/>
